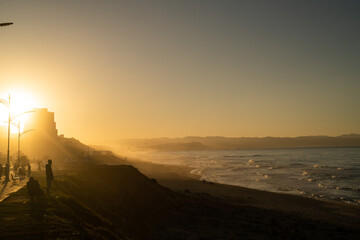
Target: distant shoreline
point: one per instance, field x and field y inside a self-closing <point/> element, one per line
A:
<point x="274" y="148"/>
<point x="223" y="143"/>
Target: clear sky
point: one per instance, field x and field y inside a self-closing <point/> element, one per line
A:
<point x="138" y="69"/>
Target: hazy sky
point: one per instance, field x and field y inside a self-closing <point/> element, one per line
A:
<point x="131" y="69"/>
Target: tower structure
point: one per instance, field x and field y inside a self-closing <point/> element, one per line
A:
<point x="42" y="142"/>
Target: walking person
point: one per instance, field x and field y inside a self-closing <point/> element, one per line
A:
<point x="29" y="170"/>
<point x="16" y="168"/>
<point x="49" y="176"/>
<point x="7" y="171"/>
<point x="34" y="189"/>
<point x="38" y="165"/>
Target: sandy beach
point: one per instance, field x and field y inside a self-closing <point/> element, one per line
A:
<point x="179" y="178"/>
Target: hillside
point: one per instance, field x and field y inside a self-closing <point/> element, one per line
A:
<point x="119" y="202"/>
<point x="224" y="143"/>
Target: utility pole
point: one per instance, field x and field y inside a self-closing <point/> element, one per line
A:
<point x="7" y="169"/>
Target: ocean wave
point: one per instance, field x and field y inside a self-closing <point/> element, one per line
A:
<point x="297" y="165"/>
<point x="234" y="169"/>
<point x="250" y="162"/>
<point x="314" y="171"/>
<point x="246" y="156"/>
<point x="196" y="171"/>
<point x="284" y="189"/>
<point x="302" y="192"/>
<point x="350" y="189"/>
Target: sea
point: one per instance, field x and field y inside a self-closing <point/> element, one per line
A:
<point x="321" y="173"/>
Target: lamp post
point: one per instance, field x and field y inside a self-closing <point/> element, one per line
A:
<point x="20" y="134"/>
<point x="7" y="167"/>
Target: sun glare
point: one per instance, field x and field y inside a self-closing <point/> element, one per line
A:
<point x="20" y="102"/>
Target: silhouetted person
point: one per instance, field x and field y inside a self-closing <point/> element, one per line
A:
<point x="7" y="169"/>
<point x="21" y="173"/>
<point x="39" y="165"/>
<point x="34" y="189"/>
<point x="49" y="176"/>
<point x="16" y="168"/>
<point x="29" y="169"/>
<point x="23" y="165"/>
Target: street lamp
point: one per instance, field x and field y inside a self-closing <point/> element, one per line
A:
<point x="6" y="24"/>
<point x="6" y="103"/>
<point x="19" y="133"/>
<point x="7" y="168"/>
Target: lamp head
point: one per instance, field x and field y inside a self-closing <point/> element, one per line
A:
<point x="6" y="24"/>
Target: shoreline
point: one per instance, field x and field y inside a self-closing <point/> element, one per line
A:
<point x="179" y="179"/>
<point x="339" y="189"/>
<point x="182" y="172"/>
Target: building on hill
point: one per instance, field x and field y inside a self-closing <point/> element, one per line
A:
<point x="43" y="141"/>
<point x="44" y="122"/>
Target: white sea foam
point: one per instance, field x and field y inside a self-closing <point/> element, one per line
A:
<point x="333" y="172"/>
<point x="250" y="162"/>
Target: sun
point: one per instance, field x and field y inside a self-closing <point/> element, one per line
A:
<point x="20" y="102"/>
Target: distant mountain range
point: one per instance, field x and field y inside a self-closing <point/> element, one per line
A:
<point x="224" y="143"/>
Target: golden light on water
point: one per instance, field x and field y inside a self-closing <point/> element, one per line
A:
<point x="20" y="102"/>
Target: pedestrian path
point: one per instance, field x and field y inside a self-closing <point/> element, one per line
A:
<point x="6" y="188"/>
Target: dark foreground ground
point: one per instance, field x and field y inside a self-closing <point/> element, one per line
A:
<point x="119" y="202"/>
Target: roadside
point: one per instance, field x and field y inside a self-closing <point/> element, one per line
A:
<point x="9" y="187"/>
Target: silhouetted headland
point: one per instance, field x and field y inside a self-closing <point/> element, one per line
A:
<point x="225" y="143"/>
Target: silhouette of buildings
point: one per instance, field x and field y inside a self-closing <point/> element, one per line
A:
<point x="43" y="141"/>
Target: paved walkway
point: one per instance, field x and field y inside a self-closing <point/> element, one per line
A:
<point x="6" y="188"/>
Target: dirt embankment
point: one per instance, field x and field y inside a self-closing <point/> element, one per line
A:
<point x="119" y="202"/>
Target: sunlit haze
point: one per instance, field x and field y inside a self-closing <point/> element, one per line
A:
<point x="21" y="103"/>
<point x="140" y="69"/>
